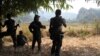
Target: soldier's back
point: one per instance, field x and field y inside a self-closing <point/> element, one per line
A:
<point x="10" y="24"/>
<point x="56" y="23"/>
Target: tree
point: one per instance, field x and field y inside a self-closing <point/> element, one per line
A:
<point x="21" y="6"/>
<point x="16" y="7"/>
<point x="96" y="1"/>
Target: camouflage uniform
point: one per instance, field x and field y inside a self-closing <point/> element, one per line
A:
<point x="11" y="30"/>
<point x="21" y="39"/>
<point x="56" y="34"/>
<point x="35" y="27"/>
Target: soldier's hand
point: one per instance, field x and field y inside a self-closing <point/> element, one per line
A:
<point x="32" y="31"/>
<point x="17" y="25"/>
<point x="44" y="27"/>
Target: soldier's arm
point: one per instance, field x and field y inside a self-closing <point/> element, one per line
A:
<point x="64" y="23"/>
<point x="30" y="28"/>
<point x="3" y="25"/>
<point x="16" y="25"/>
<point x="50" y="26"/>
<point x="25" y="39"/>
<point x="0" y="24"/>
<point x="42" y="26"/>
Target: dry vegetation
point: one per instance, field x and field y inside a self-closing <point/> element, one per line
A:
<point x="78" y="41"/>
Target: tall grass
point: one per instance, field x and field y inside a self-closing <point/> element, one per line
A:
<point x="97" y="27"/>
<point x="76" y="30"/>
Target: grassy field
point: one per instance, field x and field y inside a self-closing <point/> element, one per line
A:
<point x="78" y="41"/>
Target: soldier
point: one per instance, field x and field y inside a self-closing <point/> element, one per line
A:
<point x="56" y="33"/>
<point x="34" y="28"/>
<point x="11" y="29"/>
<point x="21" y="39"/>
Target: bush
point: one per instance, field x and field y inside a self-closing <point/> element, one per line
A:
<point x="72" y="33"/>
<point x="78" y="33"/>
<point x="97" y="28"/>
<point x="82" y="33"/>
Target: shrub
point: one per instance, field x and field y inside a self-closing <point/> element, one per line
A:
<point x="97" y="28"/>
<point x="82" y="33"/>
<point x="78" y="33"/>
<point x="71" y="33"/>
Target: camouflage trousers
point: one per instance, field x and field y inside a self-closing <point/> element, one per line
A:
<point x="56" y="46"/>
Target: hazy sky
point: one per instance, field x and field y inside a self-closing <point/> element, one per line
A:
<point x="77" y="4"/>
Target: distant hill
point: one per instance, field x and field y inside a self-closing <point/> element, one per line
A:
<point x="84" y="15"/>
<point x="45" y="17"/>
<point x="88" y="15"/>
